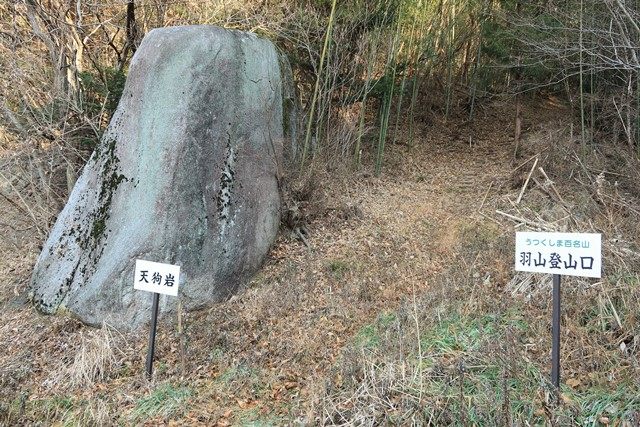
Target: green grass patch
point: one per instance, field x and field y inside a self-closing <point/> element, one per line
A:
<point x="465" y="374"/>
<point x="243" y="376"/>
<point x="370" y="335"/>
<point x="166" y="401"/>
<point x="476" y="386"/>
<point x="461" y="334"/>
<point x="253" y="418"/>
<point x="59" y="410"/>
<point x="596" y="404"/>
<point x="236" y="373"/>
<point x="338" y="268"/>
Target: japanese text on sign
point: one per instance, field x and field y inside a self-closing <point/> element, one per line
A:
<point x="573" y="254"/>
<point x="157" y="277"/>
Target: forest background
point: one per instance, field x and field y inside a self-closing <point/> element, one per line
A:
<point x="368" y="74"/>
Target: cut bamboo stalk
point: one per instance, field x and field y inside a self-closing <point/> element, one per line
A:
<point x="553" y="187"/>
<point x="526" y="182"/>
<point x="525" y="221"/>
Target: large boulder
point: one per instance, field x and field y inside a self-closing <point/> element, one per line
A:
<point x="187" y="173"/>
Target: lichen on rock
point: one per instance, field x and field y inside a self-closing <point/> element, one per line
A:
<point x="185" y="174"/>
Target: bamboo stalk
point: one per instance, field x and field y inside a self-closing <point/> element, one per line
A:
<point x="582" y="123"/>
<point x="371" y="60"/>
<point x="405" y="74"/>
<point x="389" y="85"/>
<point x="638" y="113"/>
<point x="526" y="182"/>
<point x="325" y="49"/>
<point x="451" y="37"/>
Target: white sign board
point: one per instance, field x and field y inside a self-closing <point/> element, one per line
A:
<point x="157" y="277"/>
<point x="571" y="254"/>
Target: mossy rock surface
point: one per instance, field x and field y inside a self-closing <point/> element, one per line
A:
<point x="187" y="174"/>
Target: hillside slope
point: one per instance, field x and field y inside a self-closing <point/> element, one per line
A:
<point x="399" y="307"/>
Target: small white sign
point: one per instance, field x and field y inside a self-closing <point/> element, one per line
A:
<point x="157" y="277"/>
<point x="571" y="254"/>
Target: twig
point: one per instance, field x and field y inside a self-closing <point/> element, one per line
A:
<point x="526" y="161"/>
<point x="485" y="196"/>
<point x="613" y="308"/>
<point x="512" y="204"/>
<point x="584" y="168"/>
<point x="181" y="342"/>
<point x="298" y="232"/>
<point x="490" y="218"/>
<point x="12" y="203"/>
<point x="26" y="205"/>
<point x="524" y="221"/>
<point x="526" y="182"/>
<point x="543" y="187"/>
<point x="607" y="172"/>
<point x="616" y="202"/>
<point x="553" y="187"/>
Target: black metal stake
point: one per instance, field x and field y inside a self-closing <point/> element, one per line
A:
<point x="555" y="349"/>
<point x="152" y="334"/>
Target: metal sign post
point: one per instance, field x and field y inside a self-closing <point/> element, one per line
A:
<point x="570" y="254"/>
<point x="158" y="279"/>
<point x="152" y="334"/>
<point x="555" y="343"/>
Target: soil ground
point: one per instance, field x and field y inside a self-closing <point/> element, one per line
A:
<point x="273" y="353"/>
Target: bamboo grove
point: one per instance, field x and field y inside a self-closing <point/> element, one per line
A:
<point x="362" y="67"/>
<point x="465" y="52"/>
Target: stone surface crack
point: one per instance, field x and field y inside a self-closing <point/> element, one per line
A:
<point x="226" y="188"/>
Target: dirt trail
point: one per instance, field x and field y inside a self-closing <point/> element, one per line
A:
<point x="380" y="241"/>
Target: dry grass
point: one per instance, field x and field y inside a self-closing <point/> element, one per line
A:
<point x="392" y="302"/>
<point x="402" y="310"/>
<point x="98" y="358"/>
<point x="475" y="349"/>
